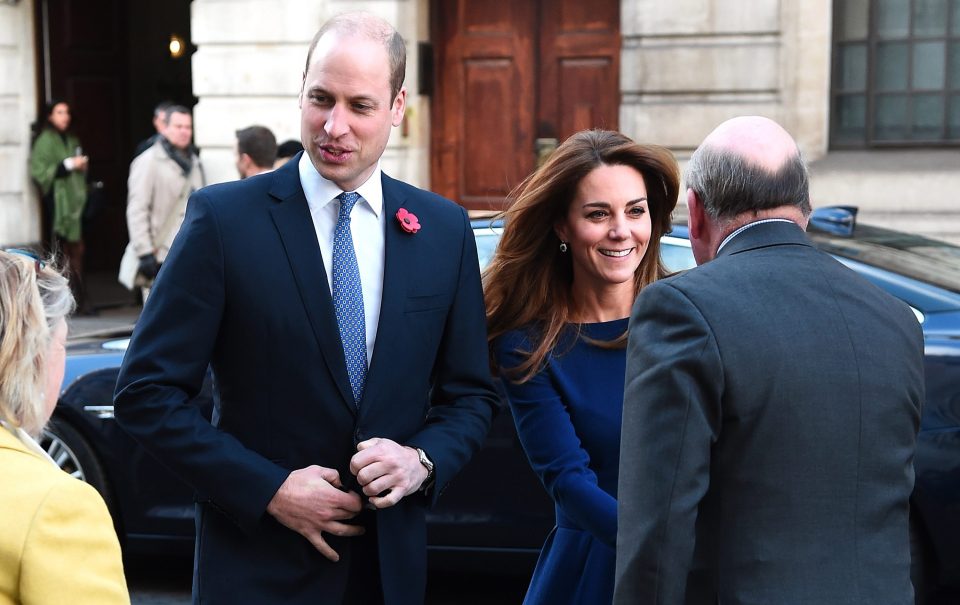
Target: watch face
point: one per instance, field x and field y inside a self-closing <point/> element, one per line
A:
<point x="424" y="460"/>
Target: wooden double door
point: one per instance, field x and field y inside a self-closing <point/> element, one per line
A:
<point x="512" y="79"/>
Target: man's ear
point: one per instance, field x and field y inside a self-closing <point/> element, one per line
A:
<point x="696" y="214"/>
<point x="244" y="162"/>
<point x="399" y="106"/>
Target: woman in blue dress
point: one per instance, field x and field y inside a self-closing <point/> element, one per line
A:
<point x="581" y="238"/>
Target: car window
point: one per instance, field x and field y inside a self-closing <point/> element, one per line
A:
<point x="487" y="238"/>
<point x="676" y="253"/>
<point x="913" y="256"/>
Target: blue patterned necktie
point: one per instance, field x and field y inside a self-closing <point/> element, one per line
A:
<point x="348" y="297"/>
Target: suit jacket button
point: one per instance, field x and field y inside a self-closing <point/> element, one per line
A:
<point x="358" y="436"/>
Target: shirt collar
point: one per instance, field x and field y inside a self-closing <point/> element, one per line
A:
<point x="321" y="192"/>
<point x="743" y="228"/>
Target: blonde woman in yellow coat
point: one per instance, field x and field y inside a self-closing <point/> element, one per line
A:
<point x="57" y="542"/>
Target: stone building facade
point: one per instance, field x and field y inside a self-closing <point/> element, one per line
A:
<point x="685" y="66"/>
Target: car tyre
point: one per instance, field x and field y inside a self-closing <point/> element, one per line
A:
<point x="74" y="456"/>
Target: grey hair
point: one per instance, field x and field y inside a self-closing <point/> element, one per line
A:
<point x="32" y="302"/>
<point x="172" y="109"/>
<point x="728" y="185"/>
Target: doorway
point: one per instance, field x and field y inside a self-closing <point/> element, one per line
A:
<point x="111" y="61"/>
<point x="513" y="79"/>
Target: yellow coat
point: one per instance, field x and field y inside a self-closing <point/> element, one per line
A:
<point x="57" y="542"/>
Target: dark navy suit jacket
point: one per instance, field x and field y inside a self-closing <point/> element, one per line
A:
<point x="244" y="291"/>
<point x="770" y="415"/>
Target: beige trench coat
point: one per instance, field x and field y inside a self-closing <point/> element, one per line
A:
<point x="155" y="188"/>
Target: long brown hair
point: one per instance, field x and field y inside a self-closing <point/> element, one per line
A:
<point x="529" y="281"/>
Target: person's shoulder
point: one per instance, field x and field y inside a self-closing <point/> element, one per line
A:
<point x="431" y="201"/>
<point x="677" y="281"/>
<point x="521" y="338"/>
<point x="66" y="492"/>
<point x="28" y="477"/>
<point x="677" y="293"/>
<point x="152" y="153"/>
<point x="45" y="134"/>
<point x="44" y="137"/>
<point x="239" y="197"/>
<point x="839" y="273"/>
<point x="255" y="186"/>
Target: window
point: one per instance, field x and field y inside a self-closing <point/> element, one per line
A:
<point x="896" y="73"/>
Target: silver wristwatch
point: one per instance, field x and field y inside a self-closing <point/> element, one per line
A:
<point x="427" y="464"/>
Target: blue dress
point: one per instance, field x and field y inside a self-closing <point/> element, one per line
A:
<point x="568" y="419"/>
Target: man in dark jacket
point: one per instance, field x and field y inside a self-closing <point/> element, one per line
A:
<point x="771" y="407"/>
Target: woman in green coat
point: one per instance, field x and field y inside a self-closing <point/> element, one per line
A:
<point x="58" y="166"/>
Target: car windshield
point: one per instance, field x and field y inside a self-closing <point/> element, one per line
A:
<point x="914" y="256"/>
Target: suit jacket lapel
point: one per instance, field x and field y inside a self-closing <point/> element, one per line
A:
<point x="398" y="259"/>
<point x="291" y="215"/>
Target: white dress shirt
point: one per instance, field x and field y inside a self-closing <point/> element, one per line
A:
<point x="367" y="228"/>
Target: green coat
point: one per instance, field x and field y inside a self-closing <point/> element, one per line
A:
<point x="70" y="191"/>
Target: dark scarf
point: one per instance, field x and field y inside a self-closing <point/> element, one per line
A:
<point x="182" y="157"/>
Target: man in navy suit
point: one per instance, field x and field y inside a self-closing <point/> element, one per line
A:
<point x="342" y="315"/>
<point x="771" y="407"/>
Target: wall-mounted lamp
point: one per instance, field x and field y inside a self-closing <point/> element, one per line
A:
<point x="177" y="47"/>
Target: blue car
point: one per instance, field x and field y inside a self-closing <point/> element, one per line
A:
<point x="495" y="515"/>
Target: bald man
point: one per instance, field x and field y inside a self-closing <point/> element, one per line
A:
<point x="771" y="407"/>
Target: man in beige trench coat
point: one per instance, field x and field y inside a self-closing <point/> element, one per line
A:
<point x="161" y="179"/>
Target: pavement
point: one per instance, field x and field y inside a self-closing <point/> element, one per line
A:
<point x="115" y="309"/>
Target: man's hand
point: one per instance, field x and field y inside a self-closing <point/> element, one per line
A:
<point x="310" y="501"/>
<point x="382" y="465"/>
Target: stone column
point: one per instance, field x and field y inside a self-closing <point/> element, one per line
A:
<point x="249" y="65"/>
<point x="19" y="203"/>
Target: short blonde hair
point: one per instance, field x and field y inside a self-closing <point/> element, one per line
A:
<point x="34" y="296"/>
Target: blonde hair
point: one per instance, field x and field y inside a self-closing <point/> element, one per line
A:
<point x="34" y="296"/>
<point x="529" y="281"/>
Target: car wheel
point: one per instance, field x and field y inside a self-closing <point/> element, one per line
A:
<point x="921" y="561"/>
<point x="74" y="456"/>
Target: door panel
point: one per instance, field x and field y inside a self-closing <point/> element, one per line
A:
<point x="486" y="170"/>
<point x="583" y="99"/>
<point x="87" y="47"/>
<point x="580" y="64"/>
<point x="511" y="72"/>
<point x="485" y="100"/>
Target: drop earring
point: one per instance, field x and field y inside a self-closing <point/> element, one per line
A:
<point x="563" y="246"/>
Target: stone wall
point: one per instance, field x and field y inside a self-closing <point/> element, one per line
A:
<point x="688" y="65"/>
<point x="249" y="65"/>
<point x="19" y="205"/>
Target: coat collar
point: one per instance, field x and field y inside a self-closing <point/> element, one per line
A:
<point x="764" y="235"/>
<point x="15" y="438"/>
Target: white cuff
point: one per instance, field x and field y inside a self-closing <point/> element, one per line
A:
<point x="69" y="163"/>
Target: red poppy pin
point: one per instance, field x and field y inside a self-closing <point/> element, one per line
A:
<point x="408" y="221"/>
